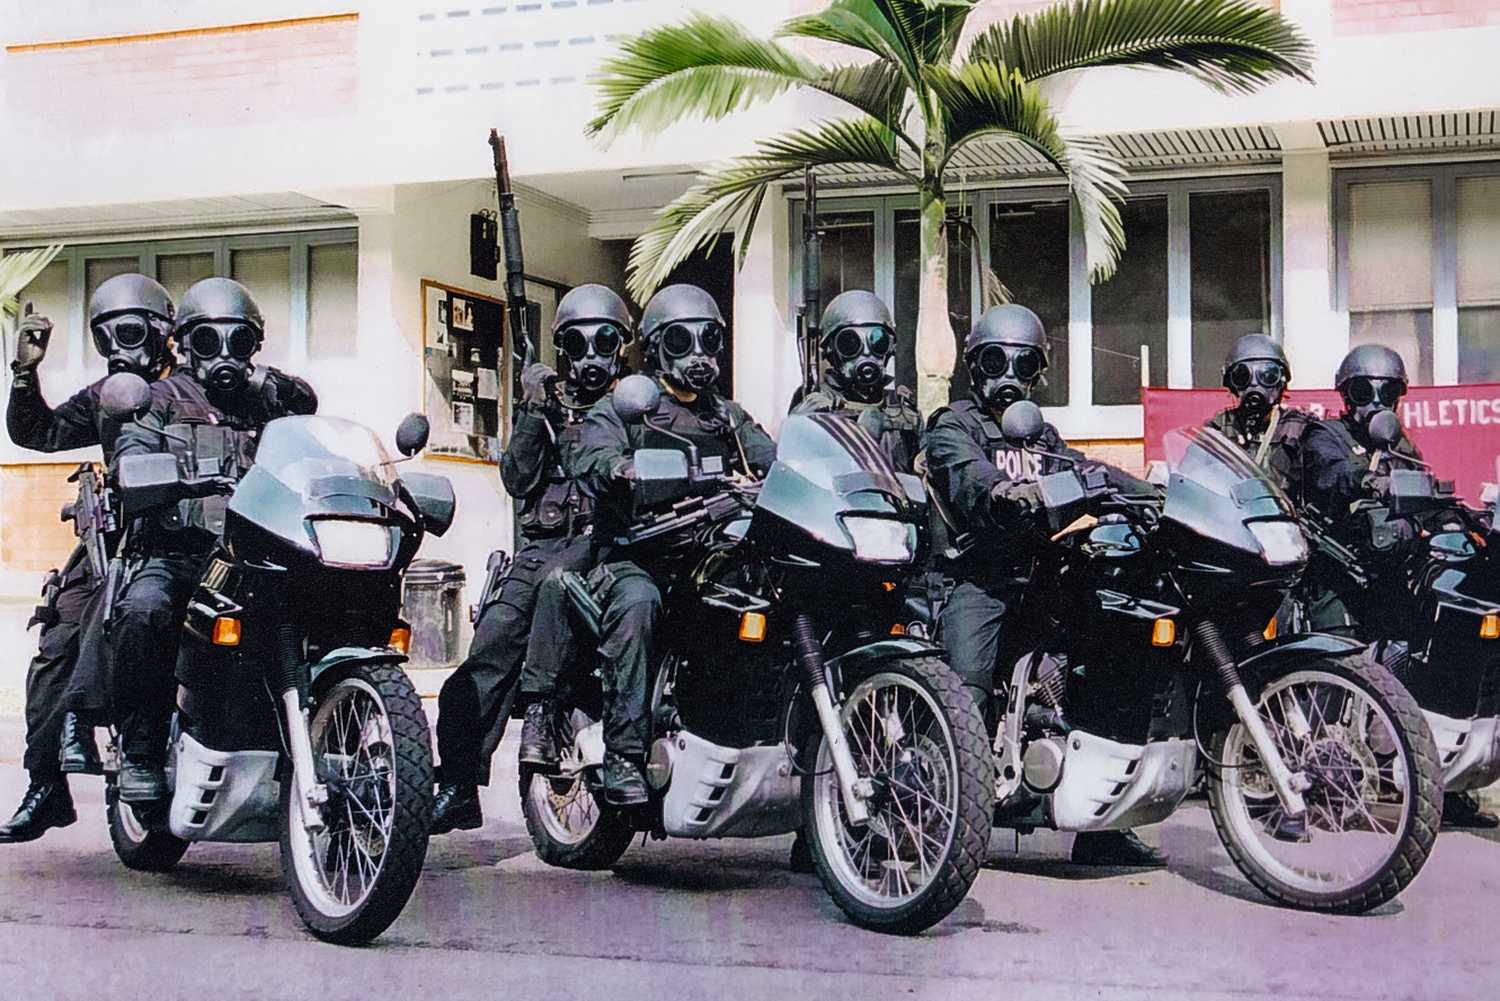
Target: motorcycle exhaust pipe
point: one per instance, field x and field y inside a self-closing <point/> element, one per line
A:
<point x="815" y="677"/>
<point x="1289" y="787"/>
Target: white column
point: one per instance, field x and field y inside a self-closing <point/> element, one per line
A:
<point x="766" y="370"/>
<point x="1317" y="334"/>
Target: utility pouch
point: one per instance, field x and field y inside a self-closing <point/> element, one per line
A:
<point x="45" y="614"/>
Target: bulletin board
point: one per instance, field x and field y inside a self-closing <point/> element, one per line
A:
<point x="464" y="392"/>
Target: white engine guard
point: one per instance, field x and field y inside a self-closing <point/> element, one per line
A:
<point x="1468" y="750"/>
<point x="1109" y="786"/>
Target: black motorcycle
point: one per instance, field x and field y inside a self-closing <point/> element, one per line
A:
<point x="1419" y="577"/>
<point x="781" y="700"/>
<point x="1144" y="651"/>
<point x="295" y="721"/>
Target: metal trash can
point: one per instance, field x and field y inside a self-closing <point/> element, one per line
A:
<point x="432" y="601"/>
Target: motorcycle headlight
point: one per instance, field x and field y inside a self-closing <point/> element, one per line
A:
<point x="353" y="543"/>
<point x="1281" y="542"/>
<point x="882" y="540"/>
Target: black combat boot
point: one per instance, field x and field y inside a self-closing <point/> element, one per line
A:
<point x="624" y="784"/>
<point x="47" y="804"/>
<point x="456" y="808"/>
<point x="78" y="755"/>
<point x="1462" y="810"/>
<point x="1119" y="848"/>
<point x="539" y="735"/>
<point x="143" y="781"/>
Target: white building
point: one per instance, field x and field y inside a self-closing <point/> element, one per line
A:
<point x="330" y="156"/>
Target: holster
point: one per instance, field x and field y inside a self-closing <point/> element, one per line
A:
<point x="46" y="614"/>
<point x="495" y="572"/>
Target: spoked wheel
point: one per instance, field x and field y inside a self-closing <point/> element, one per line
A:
<point x="370" y="742"/>
<point x="918" y="737"/>
<point x="138" y="845"/>
<point x="569" y="826"/>
<point x="1374" y="801"/>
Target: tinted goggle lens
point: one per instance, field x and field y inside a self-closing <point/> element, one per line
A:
<point x="1024" y="363"/>
<point x="677" y="340"/>
<point x="1268" y="376"/>
<point x="209" y="341"/>
<point x="128" y="332"/>
<point x="605" y="340"/>
<point x="851" y="342"/>
<point x="1363" y="391"/>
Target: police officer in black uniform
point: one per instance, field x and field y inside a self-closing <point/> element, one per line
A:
<point x="683" y="332"/>
<point x="1256" y="374"/>
<point x="1337" y="454"/>
<point x="988" y="487"/>
<point x="130" y="320"/>
<point x="219" y="330"/>
<point x="857" y="341"/>
<point x="592" y="326"/>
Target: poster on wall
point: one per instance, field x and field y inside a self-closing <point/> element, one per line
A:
<point x="463" y="345"/>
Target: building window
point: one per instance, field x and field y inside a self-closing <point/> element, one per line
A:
<point x="1419" y="266"/>
<point x="1201" y="267"/>
<point x="305" y="284"/>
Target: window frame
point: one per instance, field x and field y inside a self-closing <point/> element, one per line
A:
<point x="1443" y="178"/>
<point x="1081" y="417"/>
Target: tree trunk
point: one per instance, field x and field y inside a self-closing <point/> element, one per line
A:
<point x="936" y="352"/>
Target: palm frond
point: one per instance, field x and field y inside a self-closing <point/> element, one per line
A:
<point x="703" y="66"/>
<point x="859" y="24"/>
<point x="729" y="196"/>
<point x="986" y="100"/>
<point x="877" y="88"/>
<point x="1231" y="45"/>
<point x="931" y="27"/>
<point x="17" y="270"/>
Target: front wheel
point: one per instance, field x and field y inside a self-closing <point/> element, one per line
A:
<point x="1375" y="797"/>
<point x="917" y="736"/>
<point x="372" y="750"/>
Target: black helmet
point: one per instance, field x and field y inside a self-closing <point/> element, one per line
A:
<point x="130" y="318"/>
<point x="1006" y="354"/>
<point x="858" y="338"/>
<point x="1371" y="378"/>
<point x="683" y="332"/>
<point x="1256" y="372"/>
<point x="219" y="329"/>
<point x="590" y="330"/>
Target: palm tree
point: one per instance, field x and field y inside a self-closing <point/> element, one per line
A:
<point x="913" y="100"/>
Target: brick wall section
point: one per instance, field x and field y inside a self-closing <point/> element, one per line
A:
<point x="1128" y="455"/>
<point x="32" y="537"/>
<point x="224" y="76"/>
<point x="1369" y="17"/>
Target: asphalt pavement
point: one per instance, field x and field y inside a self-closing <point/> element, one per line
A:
<point x="719" y="920"/>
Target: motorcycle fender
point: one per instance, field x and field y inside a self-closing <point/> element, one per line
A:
<point x="1281" y="654"/>
<point x="348" y="656"/>
<point x="866" y="659"/>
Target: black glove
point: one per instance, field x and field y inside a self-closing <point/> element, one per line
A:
<point x="536" y="384"/>
<point x="263" y="387"/>
<point x="623" y="471"/>
<point x="1023" y="494"/>
<point x="32" y="335"/>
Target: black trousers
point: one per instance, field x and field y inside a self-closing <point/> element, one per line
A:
<point x="972" y="623"/>
<point x="631" y="601"/>
<point x="476" y="700"/>
<point x="53" y="665"/>
<point x="145" y="631"/>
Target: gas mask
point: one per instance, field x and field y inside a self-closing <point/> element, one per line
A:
<point x="858" y="356"/>
<point x="1002" y="375"/>
<point x="220" y="352"/>
<point x="592" y="352"/>
<point x="687" y="354"/>
<point x="1365" y="396"/>
<point x="133" y="342"/>
<point x="1257" y="387"/>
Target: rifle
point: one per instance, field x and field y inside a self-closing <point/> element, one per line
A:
<point x="523" y="340"/>
<point x="93" y="516"/>
<point x="809" y="317"/>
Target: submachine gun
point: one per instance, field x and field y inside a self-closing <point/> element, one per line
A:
<point x="96" y="522"/>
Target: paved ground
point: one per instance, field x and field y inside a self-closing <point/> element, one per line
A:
<point x="685" y="921"/>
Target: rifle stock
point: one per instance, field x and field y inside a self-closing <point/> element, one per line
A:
<point x="810" y="316"/>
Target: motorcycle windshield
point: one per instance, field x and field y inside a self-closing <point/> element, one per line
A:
<point x="832" y="481"/>
<point x="309" y="467"/>
<point x="1217" y="491"/>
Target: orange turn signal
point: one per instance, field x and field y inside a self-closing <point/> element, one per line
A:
<point x="752" y="627"/>
<point x="400" y="640"/>
<point x="898" y="630"/>
<point x="1489" y="627"/>
<point x="1270" y="631"/>
<point x="226" y="631"/>
<point x="1163" y="632"/>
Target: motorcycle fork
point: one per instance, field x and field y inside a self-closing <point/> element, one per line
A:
<point x="1289" y="785"/>
<point x="855" y="790"/>
<point x="292" y="685"/>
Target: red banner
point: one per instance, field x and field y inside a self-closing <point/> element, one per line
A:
<point x="1456" y="427"/>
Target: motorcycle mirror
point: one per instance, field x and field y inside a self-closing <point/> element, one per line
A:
<point x="1385" y="429"/>
<point x="635" y="397"/>
<point x="1022" y="422"/>
<point x="125" y="396"/>
<point x="411" y="434"/>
